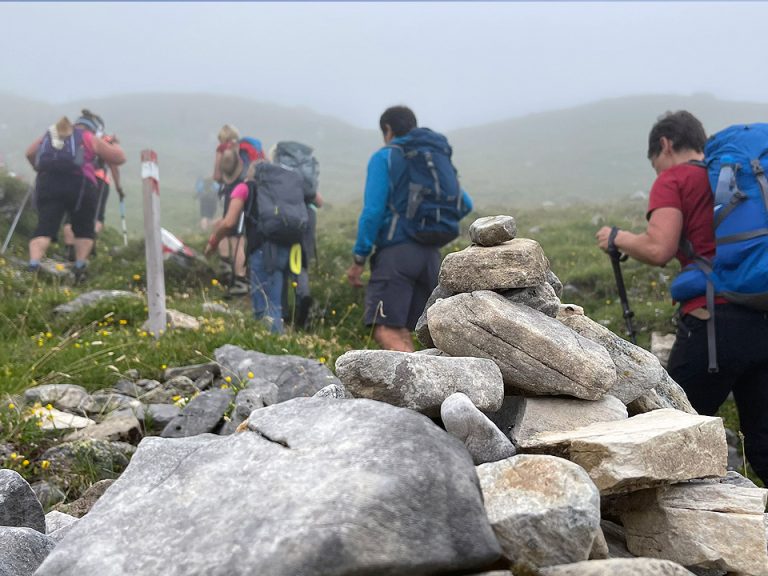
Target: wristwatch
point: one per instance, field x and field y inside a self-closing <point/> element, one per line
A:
<point x="359" y="260"/>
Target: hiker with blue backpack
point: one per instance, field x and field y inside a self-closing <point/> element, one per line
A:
<point x="270" y="203"/>
<point x="66" y="183"/>
<point x="709" y="208"/>
<point x="412" y="207"/>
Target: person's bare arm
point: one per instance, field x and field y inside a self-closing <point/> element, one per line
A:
<point x="32" y="151"/>
<point x="657" y="245"/>
<point x="112" y="154"/>
<point x="226" y="224"/>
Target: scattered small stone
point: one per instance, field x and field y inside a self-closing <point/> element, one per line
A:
<point x="484" y="441"/>
<point x="203" y="414"/>
<point x="332" y="391"/>
<point x="193" y="371"/>
<point x="90" y="298"/>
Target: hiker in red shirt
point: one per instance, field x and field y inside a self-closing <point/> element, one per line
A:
<point x="681" y="206"/>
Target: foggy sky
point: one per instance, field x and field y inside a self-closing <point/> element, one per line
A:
<point x="455" y="64"/>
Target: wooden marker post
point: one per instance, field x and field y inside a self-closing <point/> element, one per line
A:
<point x="150" y="176"/>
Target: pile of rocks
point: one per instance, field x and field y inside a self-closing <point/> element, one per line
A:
<point x="528" y="440"/>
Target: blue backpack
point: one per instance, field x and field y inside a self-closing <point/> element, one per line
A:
<point x="425" y="197"/>
<point x="736" y="160"/>
<point x="67" y="160"/>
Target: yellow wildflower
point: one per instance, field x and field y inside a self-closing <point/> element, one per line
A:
<point x="49" y="407"/>
<point x="176" y="398"/>
<point x="48" y="335"/>
<point x="123" y="322"/>
<point x="322" y="360"/>
<point x="250" y="374"/>
<point x="163" y="366"/>
<point x="25" y="463"/>
<point x="14" y="456"/>
<point x="11" y="406"/>
<point x="214" y="282"/>
<point x="45" y="464"/>
<point x="136" y="277"/>
<point x="224" y="386"/>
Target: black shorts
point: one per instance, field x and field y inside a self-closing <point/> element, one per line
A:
<point x="402" y="279"/>
<point x="60" y="194"/>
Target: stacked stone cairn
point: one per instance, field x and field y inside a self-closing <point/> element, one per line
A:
<point x="527" y="440"/>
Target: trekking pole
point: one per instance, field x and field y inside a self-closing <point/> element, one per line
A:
<point x="616" y="259"/>
<point x="122" y="220"/>
<point x="17" y="218"/>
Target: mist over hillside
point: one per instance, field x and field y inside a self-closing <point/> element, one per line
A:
<point x="590" y="153"/>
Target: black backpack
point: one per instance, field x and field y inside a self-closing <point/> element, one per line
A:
<point x="68" y="159"/>
<point x="298" y="157"/>
<point x="275" y="211"/>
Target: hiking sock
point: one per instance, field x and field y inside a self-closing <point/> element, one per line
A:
<point x="80" y="271"/>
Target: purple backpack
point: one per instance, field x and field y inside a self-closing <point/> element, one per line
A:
<point x="67" y="160"/>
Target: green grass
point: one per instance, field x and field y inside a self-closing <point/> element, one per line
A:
<point x="95" y="347"/>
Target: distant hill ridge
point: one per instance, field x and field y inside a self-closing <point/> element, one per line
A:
<point x="593" y="152"/>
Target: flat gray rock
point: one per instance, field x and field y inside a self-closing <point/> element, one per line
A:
<point x="519" y="263"/>
<point x="90" y="298"/>
<point x="537" y="354"/>
<point x="203" y="414"/>
<point x="107" y="458"/>
<point x="104" y="401"/>
<point x="55" y="520"/>
<point x="193" y="371"/>
<point x="333" y="391"/>
<point x="418" y="381"/>
<point x="22" y="550"/>
<point x="294" y="376"/>
<point x="66" y="397"/>
<point x="313" y="487"/>
<point x="19" y="505"/>
<point x="484" y="441"/>
<point x="492" y="230"/>
<point x="120" y="426"/>
<point x="155" y="417"/>
<point x="544" y="510"/>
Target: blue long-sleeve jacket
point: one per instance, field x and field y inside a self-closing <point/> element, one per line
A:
<point x="375" y="221"/>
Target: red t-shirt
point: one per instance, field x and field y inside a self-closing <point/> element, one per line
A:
<point x="686" y="187"/>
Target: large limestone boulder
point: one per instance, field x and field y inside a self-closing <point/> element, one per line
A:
<point x="19" y="507"/>
<point x="705" y="524"/>
<point x="544" y="510"/>
<point x="519" y="263"/>
<point x="524" y="418"/>
<point x="637" y="370"/>
<point x="659" y="447"/>
<point x="313" y="486"/>
<point x="536" y="354"/>
<point x="668" y="394"/>
<point x="484" y="441"/>
<point x="541" y="298"/>
<point x="418" y="381"/>
<point x="294" y="376"/>
<point x="619" y="567"/>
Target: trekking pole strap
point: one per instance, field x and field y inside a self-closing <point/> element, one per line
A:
<point x="612" y="250"/>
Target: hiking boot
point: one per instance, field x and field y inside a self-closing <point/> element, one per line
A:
<point x="240" y="287"/>
<point x="302" y="312"/>
<point x="33" y="268"/>
<point x="81" y="275"/>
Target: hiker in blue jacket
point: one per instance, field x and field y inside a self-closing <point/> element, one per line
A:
<point x="404" y="270"/>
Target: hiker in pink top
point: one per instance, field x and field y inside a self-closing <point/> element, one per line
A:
<point x="66" y="184"/>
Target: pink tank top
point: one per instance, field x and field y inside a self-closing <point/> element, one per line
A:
<point x="89" y="170"/>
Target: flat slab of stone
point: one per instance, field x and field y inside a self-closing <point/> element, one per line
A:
<point x="492" y="230"/>
<point x="90" y="298"/>
<point x="418" y="381"/>
<point x="123" y="426"/>
<point x="22" y="550"/>
<point x="637" y="370"/>
<point x="529" y="417"/>
<point x="544" y="510"/>
<point x="519" y="263"/>
<point x="484" y="441"/>
<point x="294" y="376"/>
<point x="192" y="371"/>
<point x="66" y="397"/>
<point x="659" y="447"/>
<point x="619" y="567"/>
<point x="704" y="524"/>
<point x="314" y="486"/>
<point x="53" y="419"/>
<point x="537" y="354"/>
<point x="19" y="506"/>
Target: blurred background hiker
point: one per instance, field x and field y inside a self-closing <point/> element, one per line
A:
<point x="95" y="124"/>
<point x="207" y="192"/>
<point x="66" y="183"/>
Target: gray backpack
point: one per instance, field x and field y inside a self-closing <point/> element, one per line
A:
<point x="275" y="211"/>
<point x="298" y="157"/>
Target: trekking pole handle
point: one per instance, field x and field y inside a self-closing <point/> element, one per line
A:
<point x="612" y="250"/>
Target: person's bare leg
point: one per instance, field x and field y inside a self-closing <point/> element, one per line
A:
<point x="38" y="246"/>
<point x="389" y="338"/>
<point x="98" y="227"/>
<point x="83" y="247"/>
<point x="240" y="258"/>
<point x="67" y="235"/>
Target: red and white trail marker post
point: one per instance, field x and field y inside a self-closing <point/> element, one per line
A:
<point x="150" y="177"/>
